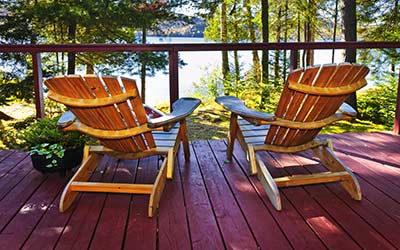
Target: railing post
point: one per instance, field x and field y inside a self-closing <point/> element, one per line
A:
<point x="396" y="127"/>
<point x="173" y="77"/>
<point x="294" y="59"/>
<point x="37" y="80"/>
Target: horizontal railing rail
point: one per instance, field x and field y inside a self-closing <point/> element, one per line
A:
<point x="173" y="50"/>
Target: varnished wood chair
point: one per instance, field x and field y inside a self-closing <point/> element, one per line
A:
<point x="311" y="99"/>
<point x="110" y="109"/>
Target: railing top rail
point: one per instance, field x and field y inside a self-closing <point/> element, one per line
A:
<point x="38" y="48"/>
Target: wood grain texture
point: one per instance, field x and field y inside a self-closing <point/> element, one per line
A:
<point x="321" y="216"/>
<point x="234" y="228"/>
<point x="204" y="230"/>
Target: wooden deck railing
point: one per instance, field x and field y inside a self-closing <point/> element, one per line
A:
<point x="173" y="51"/>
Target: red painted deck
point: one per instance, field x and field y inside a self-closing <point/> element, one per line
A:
<point x="209" y="204"/>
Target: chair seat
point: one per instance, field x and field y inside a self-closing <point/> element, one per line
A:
<point x="254" y="135"/>
<point x="166" y="139"/>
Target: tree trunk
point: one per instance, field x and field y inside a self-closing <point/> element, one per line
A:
<point x="71" y="55"/>
<point x="277" y="52"/>
<point x="236" y="57"/>
<point x="224" y="39"/>
<point x="350" y="34"/>
<point x="309" y="34"/>
<point x="143" y="68"/>
<point x="335" y="17"/>
<point x="89" y="65"/>
<point x="252" y="35"/>
<point x="265" y="39"/>
<point x="299" y="35"/>
<point x="285" y="39"/>
<point x="265" y="60"/>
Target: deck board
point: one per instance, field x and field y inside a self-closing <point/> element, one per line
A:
<point x="233" y="226"/>
<point x="210" y="203"/>
<point x="204" y="230"/>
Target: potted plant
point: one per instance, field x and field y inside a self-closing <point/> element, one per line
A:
<point x="50" y="148"/>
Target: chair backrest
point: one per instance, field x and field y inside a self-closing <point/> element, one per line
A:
<point x="312" y="94"/>
<point x="107" y="103"/>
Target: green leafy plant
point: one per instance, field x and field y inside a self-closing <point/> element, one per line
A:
<point x="47" y="131"/>
<point x="378" y="104"/>
<point x="50" y="151"/>
<point x="45" y="138"/>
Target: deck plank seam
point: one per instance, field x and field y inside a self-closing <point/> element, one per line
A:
<point x="18" y="182"/>
<point x="347" y="205"/>
<point x="264" y="202"/>
<point x="129" y="207"/>
<point x="337" y="223"/>
<point x="283" y="192"/>
<point x="14" y="166"/>
<point x="43" y="214"/>
<point x="113" y="166"/>
<point x="22" y="204"/>
<point x="209" y="199"/>
<point x="233" y="194"/>
<point x="179" y="171"/>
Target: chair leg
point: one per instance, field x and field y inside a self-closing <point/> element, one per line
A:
<point x="269" y="185"/>
<point x="252" y="159"/>
<point x="233" y="129"/>
<point x="83" y="174"/>
<point x="334" y="164"/>
<point x="170" y="163"/>
<point x="185" y="140"/>
<point x="158" y="188"/>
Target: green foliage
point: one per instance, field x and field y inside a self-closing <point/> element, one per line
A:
<point x="378" y="104"/>
<point x="248" y="89"/>
<point x="46" y="131"/>
<point x="71" y="21"/>
<point x="355" y="126"/>
<point x="210" y="86"/>
<point x="51" y="151"/>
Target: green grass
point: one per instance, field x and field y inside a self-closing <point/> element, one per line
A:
<point x="211" y="121"/>
<point x="353" y="126"/>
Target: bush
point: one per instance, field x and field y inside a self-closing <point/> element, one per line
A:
<point x="378" y="104"/>
<point x="47" y="131"/>
<point x="247" y="89"/>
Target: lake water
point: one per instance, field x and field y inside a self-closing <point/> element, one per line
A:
<point x="199" y="64"/>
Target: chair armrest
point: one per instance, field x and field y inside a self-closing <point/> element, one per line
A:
<point x="66" y="120"/>
<point x="237" y="106"/>
<point x="181" y="109"/>
<point x="348" y="110"/>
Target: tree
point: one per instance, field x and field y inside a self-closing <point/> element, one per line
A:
<point x="89" y="21"/>
<point x="350" y="34"/>
<point x="224" y="39"/>
<point x="252" y="36"/>
<point x="265" y="38"/>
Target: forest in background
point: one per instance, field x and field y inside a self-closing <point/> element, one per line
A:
<point x="226" y="21"/>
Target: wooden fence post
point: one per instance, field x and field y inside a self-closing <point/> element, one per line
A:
<point x="37" y="80"/>
<point x="173" y="76"/>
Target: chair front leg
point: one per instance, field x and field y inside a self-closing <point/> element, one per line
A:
<point x="233" y="129"/>
<point x="185" y="141"/>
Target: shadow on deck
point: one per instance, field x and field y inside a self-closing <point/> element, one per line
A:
<point x="209" y="204"/>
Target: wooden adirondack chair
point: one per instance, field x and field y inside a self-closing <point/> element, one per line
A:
<point x="311" y="99"/>
<point x="111" y="110"/>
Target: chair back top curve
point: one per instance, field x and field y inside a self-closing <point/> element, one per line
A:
<point x="107" y="103"/>
<point x="312" y="94"/>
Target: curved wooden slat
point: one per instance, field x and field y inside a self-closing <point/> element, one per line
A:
<point x="84" y="103"/>
<point x="328" y="91"/>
